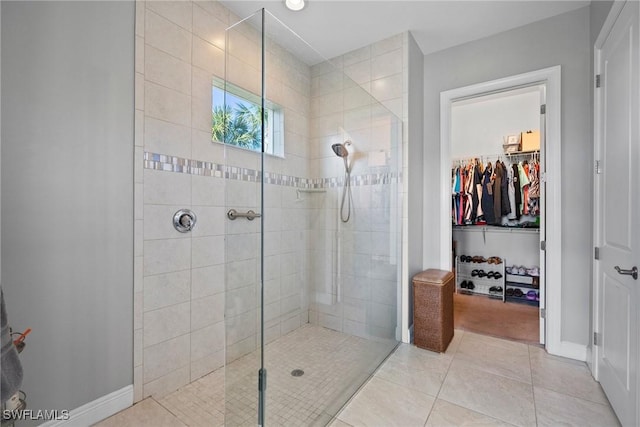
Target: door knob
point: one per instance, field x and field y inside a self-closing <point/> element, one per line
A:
<point x="633" y="272"/>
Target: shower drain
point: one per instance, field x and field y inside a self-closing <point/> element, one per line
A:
<point x="297" y="372"/>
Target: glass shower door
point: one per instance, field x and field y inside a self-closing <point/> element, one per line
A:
<point x="238" y="121"/>
<point x="311" y="294"/>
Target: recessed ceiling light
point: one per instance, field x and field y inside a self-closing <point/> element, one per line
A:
<point x="294" y="4"/>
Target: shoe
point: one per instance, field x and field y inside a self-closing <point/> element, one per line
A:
<point x="497" y="275"/>
<point x="522" y="271"/>
<point x="463" y="285"/>
<point x="490" y="275"/>
<point x="517" y="292"/>
<point x="474" y="273"/>
<point x="481" y="273"/>
<point x="509" y="270"/>
<point x="470" y="285"/>
<point x="509" y="292"/>
<point x="531" y="295"/>
<point x="536" y="282"/>
<point x="535" y="271"/>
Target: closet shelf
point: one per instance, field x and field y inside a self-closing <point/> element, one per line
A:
<point x="496" y="229"/>
<point x="522" y="153"/>
<point x="521" y="285"/>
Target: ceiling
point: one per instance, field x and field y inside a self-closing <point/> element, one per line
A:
<point x="334" y="27"/>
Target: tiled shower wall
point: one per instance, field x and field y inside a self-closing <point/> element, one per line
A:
<point x="180" y="293"/>
<point x="356" y="268"/>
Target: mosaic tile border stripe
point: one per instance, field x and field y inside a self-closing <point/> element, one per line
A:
<point x="163" y="162"/>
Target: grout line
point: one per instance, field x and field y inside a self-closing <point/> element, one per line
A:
<point x="533" y="392"/>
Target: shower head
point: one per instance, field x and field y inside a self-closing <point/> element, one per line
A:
<point x="341" y="149"/>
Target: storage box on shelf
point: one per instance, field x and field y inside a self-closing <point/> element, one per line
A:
<point x="522" y="288"/>
<point x="480" y="277"/>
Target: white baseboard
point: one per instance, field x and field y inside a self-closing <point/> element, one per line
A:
<point x="96" y="410"/>
<point x="569" y="350"/>
<point x="410" y="334"/>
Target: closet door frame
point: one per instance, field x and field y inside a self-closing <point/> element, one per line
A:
<point x="550" y="78"/>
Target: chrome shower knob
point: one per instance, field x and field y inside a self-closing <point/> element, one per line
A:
<point x="184" y="220"/>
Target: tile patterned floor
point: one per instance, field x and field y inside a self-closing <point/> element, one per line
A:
<point x="480" y="381"/>
<point x="335" y="366"/>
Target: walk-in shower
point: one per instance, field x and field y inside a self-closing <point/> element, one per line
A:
<point x="268" y="282"/>
<point x="341" y="151"/>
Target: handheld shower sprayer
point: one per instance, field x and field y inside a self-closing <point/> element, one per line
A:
<point x="341" y="151"/>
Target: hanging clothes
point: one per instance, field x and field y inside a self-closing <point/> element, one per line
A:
<point x="505" y="208"/>
<point x="512" y="194"/>
<point x="534" y="188"/>
<point x="534" y="178"/>
<point x="477" y="197"/>
<point x="497" y="195"/>
<point x="469" y="212"/>
<point x="488" y="196"/>
<point x="517" y="192"/>
<point x="524" y="188"/>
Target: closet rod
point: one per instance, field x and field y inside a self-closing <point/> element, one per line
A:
<point x="492" y="157"/>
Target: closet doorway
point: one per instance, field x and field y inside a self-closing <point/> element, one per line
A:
<point x="495" y="149"/>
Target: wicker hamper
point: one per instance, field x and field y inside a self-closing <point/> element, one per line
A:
<point x="433" y="309"/>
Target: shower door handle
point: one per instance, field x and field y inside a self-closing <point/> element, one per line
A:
<point x="250" y="215"/>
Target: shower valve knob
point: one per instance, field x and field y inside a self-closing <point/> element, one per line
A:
<point x="184" y="220"/>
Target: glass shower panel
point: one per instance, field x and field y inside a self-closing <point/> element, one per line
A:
<point x="311" y="297"/>
<point x="237" y="121"/>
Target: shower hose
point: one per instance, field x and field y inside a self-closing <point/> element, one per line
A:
<point x="346" y="196"/>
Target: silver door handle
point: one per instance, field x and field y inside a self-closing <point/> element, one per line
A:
<point x="633" y="272"/>
<point x="250" y="215"/>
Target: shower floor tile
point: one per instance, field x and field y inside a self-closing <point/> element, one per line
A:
<point x="335" y="365"/>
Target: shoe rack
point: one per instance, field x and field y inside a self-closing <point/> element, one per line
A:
<point x="476" y="275"/>
<point x="522" y="286"/>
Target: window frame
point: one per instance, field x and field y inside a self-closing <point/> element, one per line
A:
<point x="274" y="143"/>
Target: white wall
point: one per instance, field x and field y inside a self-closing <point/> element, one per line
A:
<point x="413" y="167"/>
<point x="561" y="40"/>
<point x="479" y="125"/>
<point x="67" y="249"/>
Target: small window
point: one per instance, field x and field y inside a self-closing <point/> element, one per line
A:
<point x="238" y="122"/>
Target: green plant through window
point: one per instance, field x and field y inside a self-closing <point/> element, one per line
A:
<point x="236" y="120"/>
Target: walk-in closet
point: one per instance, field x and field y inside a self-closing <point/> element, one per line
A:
<point x="497" y="212"/>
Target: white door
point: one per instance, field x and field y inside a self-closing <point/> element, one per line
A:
<point x="618" y="214"/>
<point x="543" y="216"/>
